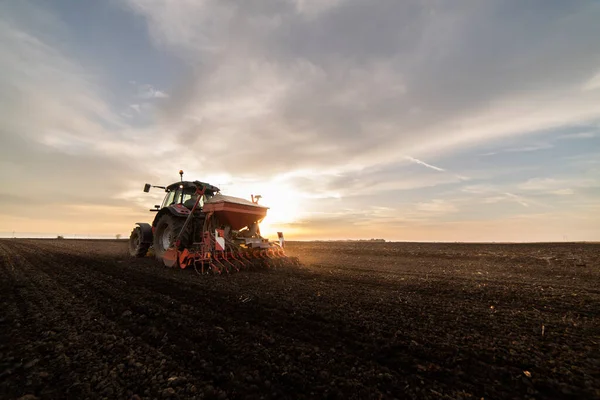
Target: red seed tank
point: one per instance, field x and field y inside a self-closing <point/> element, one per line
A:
<point x="236" y="212"/>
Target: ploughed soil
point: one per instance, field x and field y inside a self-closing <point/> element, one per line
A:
<point x="80" y="319"/>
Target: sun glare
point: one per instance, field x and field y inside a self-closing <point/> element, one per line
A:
<point x="283" y="200"/>
<point x="284" y="208"/>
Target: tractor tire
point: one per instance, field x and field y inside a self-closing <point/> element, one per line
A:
<point x="137" y="248"/>
<point x="167" y="229"/>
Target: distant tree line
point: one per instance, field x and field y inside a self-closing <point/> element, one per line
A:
<point x="352" y="240"/>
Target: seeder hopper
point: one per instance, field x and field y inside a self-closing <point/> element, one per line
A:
<point x="197" y="226"/>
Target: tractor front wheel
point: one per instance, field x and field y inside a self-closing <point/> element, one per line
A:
<point x="167" y="229"/>
<point x="137" y="247"/>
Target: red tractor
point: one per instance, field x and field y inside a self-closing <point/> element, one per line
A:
<point x="198" y="226"/>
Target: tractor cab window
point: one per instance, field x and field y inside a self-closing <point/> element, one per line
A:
<point x="169" y="198"/>
<point x="186" y="197"/>
<point x="189" y="199"/>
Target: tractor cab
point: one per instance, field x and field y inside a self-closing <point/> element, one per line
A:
<point x="184" y="193"/>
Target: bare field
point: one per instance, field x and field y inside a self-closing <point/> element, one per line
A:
<point x="80" y="319"/>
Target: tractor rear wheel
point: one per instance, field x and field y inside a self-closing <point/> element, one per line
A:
<point x="167" y="229"/>
<point x="137" y="248"/>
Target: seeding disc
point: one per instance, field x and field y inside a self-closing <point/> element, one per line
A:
<point x="170" y="258"/>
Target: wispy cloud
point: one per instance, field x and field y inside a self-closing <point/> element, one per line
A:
<point x="437" y="206"/>
<point x="522" y="149"/>
<point x="554" y="184"/>
<point x="490" y="194"/>
<point x="563" y="192"/>
<point x="147" y="91"/>
<point x="516" y="198"/>
<point x="580" y="135"/>
<point x="593" y="83"/>
<point x="539" y="184"/>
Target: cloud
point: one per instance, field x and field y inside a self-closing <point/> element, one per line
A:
<point x="557" y="184"/>
<point x="437" y="206"/>
<point x="59" y="131"/>
<point x="491" y="194"/>
<point x="563" y="192"/>
<point x="579" y="135"/>
<point x="342" y="85"/>
<point x="549" y="144"/>
<point x="517" y="199"/>
<point x="146" y="91"/>
<point x="348" y="181"/>
<point x="312" y="8"/>
<point x="593" y="83"/>
<point x="539" y="184"/>
<point x="522" y="149"/>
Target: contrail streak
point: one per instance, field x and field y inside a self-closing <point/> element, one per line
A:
<point x="423" y="163"/>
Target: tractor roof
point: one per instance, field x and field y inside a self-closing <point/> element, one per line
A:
<point x="210" y="189"/>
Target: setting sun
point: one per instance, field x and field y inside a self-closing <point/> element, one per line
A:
<point x="284" y="208"/>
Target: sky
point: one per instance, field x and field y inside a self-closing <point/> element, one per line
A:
<point x="404" y="120"/>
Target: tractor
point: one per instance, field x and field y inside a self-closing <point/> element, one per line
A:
<point x="198" y="226"/>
